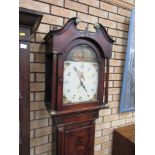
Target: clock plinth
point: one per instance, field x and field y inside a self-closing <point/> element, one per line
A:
<point x="75" y="84"/>
<point x="75" y="133"/>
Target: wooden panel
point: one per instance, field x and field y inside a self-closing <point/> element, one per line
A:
<point x="123" y="141"/>
<point x="24" y="105"/>
<point x="28" y="22"/>
<point x="78" y="141"/>
<point x="24" y="33"/>
<point x="76" y="138"/>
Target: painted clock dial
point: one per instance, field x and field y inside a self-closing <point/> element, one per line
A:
<point x="80" y="83"/>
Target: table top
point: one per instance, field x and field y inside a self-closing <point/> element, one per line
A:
<point x="127" y="131"/>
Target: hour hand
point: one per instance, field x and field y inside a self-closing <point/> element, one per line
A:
<point x="80" y="75"/>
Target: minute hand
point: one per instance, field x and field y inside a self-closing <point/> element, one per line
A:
<point x="84" y="87"/>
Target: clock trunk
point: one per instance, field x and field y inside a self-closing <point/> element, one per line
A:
<point x="77" y="66"/>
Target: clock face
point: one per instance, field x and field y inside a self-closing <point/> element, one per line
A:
<point x="80" y="82"/>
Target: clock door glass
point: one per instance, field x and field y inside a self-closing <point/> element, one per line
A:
<point x="80" y="83"/>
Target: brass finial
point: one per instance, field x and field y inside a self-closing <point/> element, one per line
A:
<point x="77" y="21"/>
<point x="97" y="25"/>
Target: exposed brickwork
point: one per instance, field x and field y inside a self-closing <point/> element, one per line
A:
<point x="114" y="15"/>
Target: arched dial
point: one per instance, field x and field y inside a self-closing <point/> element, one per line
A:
<point x="80" y="83"/>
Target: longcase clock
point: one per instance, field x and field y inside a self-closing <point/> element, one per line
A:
<point x="76" y="84"/>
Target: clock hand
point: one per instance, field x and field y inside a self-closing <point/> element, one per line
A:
<point x="80" y="75"/>
<point x="84" y="87"/>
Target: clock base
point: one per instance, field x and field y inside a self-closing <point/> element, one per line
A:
<point x="75" y="133"/>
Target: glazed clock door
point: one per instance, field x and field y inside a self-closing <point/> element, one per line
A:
<point x="80" y="77"/>
<point x="80" y="71"/>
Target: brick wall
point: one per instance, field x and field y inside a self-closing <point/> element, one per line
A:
<point x="114" y="15"/>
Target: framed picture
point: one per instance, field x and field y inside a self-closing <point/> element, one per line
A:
<point x="127" y="101"/>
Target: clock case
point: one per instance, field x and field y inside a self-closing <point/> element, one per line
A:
<point x="75" y="123"/>
<point x="58" y="45"/>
